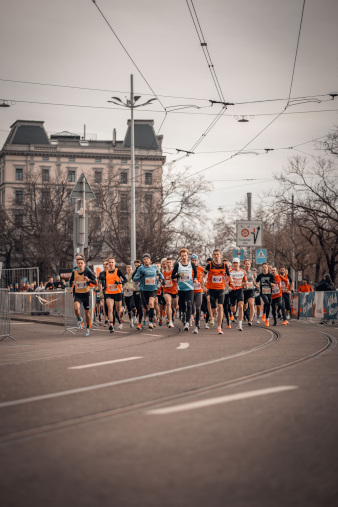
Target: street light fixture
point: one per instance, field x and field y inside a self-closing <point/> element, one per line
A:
<point x="130" y="103"/>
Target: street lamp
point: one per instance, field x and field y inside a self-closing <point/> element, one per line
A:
<point x="130" y="103"/>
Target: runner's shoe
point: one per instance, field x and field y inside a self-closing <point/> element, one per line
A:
<point x="267" y="322"/>
<point x="171" y="324"/>
<point x="186" y="326"/>
<point x="131" y="323"/>
<point x="229" y="326"/>
<point x="219" y="330"/>
<point x="274" y="323"/>
<point x="195" y="331"/>
<point x="105" y="323"/>
<point x="151" y="326"/>
<point x="239" y="327"/>
<point x="285" y="323"/>
<point x="120" y="325"/>
<point x="87" y="331"/>
<point x="80" y="324"/>
<point x="258" y="321"/>
<point x="231" y="317"/>
<point x="139" y="327"/>
<point x="212" y="322"/>
<point x="263" y="317"/>
<point x="111" y="328"/>
<point x="249" y="323"/>
<point x="206" y="325"/>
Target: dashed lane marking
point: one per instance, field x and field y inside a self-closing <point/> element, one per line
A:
<point x="92" y="365"/>
<point x="182" y="346"/>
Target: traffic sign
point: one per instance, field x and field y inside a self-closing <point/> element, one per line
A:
<point x="260" y="255"/>
<point x="239" y="253"/>
<point x="249" y="232"/>
<point x="77" y="192"/>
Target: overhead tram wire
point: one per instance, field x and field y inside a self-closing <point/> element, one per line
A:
<point x="278" y="116"/>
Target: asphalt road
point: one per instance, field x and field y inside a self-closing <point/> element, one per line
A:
<point x="169" y="418"/>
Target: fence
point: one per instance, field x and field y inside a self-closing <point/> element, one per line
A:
<point x="48" y="307"/>
<point x="320" y="306"/>
<point x="17" y="276"/>
<point x="5" y="321"/>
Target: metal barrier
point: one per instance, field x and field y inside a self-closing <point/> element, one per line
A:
<point x="48" y="308"/>
<point x="5" y="321"/>
<point x="18" y="276"/>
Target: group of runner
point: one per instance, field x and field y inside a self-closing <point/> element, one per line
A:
<point x="150" y="293"/>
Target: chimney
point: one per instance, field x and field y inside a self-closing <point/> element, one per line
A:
<point x="114" y="137"/>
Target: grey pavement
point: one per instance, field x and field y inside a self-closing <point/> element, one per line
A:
<point x="169" y="418"/>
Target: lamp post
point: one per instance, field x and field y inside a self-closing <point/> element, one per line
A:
<point x="130" y="103"/>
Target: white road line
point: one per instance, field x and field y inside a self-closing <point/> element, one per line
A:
<point x="151" y="334"/>
<point x="124" y="381"/>
<point x="216" y="401"/>
<point x="92" y="365"/>
<point x="182" y="346"/>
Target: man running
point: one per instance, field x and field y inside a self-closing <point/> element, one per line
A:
<point x="276" y="296"/>
<point x="238" y="282"/>
<point x="186" y="275"/>
<point x="198" y="292"/>
<point x="170" y="292"/>
<point x="265" y="281"/>
<point x="112" y="288"/>
<point x="216" y="271"/>
<point x="129" y="289"/>
<point x="249" y="294"/>
<point x="147" y="274"/>
<point x="81" y="280"/>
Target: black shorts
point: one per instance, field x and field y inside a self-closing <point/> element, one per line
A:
<point x="216" y="297"/>
<point x="161" y="300"/>
<point x="248" y="294"/>
<point x="115" y="297"/>
<point x="82" y="297"/>
<point x="146" y="295"/>
<point x="258" y="301"/>
<point x="236" y="296"/>
<point x="173" y="296"/>
<point x="287" y="301"/>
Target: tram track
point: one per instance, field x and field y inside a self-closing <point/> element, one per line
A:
<point x="132" y="407"/>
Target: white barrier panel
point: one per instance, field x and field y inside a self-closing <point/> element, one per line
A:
<point x="5" y="321"/>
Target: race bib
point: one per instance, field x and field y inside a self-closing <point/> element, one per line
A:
<point x="168" y="283"/>
<point x="283" y="286"/>
<point x="237" y="282"/>
<point x="185" y="277"/>
<point x="266" y="290"/>
<point x="275" y="290"/>
<point x="150" y="281"/>
<point x="81" y="285"/>
<point x="112" y="287"/>
<point x="197" y="286"/>
<point x="217" y="279"/>
<point x="250" y="285"/>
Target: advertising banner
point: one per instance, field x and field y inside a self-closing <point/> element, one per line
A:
<point x="318" y="306"/>
<point x="306" y="304"/>
<point x="294" y="307"/>
<point x="330" y="305"/>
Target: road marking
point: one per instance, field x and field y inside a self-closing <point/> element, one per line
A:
<point x="124" y="381"/>
<point x="151" y="334"/>
<point x="92" y="365"/>
<point x="216" y="401"/>
<point x="182" y="346"/>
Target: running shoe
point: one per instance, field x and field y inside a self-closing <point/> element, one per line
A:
<point x="263" y="317"/>
<point x="80" y="324"/>
<point x="160" y="322"/>
<point x="249" y="323"/>
<point x="87" y="331"/>
<point x="139" y="327"/>
<point x="288" y="317"/>
<point x="267" y="322"/>
<point x="171" y="324"/>
<point x="151" y="325"/>
<point x="285" y="323"/>
<point x="274" y="323"/>
<point x="229" y="326"/>
<point x="186" y="326"/>
<point x="212" y="322"/>
<point x="120" y="325"/>
<point x="105" y="324"/>
<point x="231" y="317"/>
<point x="131" y="323"/>
<point x="195" y="331"/>
<point x="144" y="322"/>
<point x="206" y="325"/>
<point x="258" y="321"/>
<point x="219" y="330"/>
<point x="111" y="328"/>
<point x="239" y="327"/>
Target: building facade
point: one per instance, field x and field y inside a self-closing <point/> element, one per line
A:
<point x="29" y="154"/>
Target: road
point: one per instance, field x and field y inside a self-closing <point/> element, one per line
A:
<point x="169" y="418"/>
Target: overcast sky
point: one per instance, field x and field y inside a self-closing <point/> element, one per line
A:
<point x="252" y="45"/>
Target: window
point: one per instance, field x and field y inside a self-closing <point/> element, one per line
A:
<point x="45" y="196"/>
<point x="45" y="174"/>
<point x="71" y="176"/>
<point x="18" y="219"/>
<point x="98" y="159"/>
<point x="124" y="177"/>
<point x="98" y="177"/>
<point x="71" y="159"/>
<point x="148" y="200"/>
<point x="18" y="196"/>
<point x="148" y="178"/>
<point x="19" y="174"/>
<point x="124" y="161"/>
<point x="45" y="157"/>
<point x="123" y="201"/>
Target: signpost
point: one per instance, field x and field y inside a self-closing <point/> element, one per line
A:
<point x="249" y="233"/>
<point x="81" y="193"/>
<point x="239" y="253"/>
<point x="261" y="255"/>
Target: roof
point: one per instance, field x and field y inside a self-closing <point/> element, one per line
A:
<point x="144" y="135"/>
<point x="27" y="132"/>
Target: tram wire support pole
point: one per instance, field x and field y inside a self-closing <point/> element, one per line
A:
<point x="249" y="199"/>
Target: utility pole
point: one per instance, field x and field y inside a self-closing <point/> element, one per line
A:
<point x="132" y="149"/>
<point x="293" y="272"/>
<point x="249" y="198"/>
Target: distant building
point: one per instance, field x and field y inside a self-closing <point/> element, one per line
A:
<point x="28" y="150"/>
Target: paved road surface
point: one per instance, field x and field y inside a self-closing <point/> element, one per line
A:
<point x="169" y="418"/>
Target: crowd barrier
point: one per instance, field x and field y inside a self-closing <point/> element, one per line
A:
<point x="48" y="307"/>
<point x="319" y="306"/>
<point x="5" y="320"/>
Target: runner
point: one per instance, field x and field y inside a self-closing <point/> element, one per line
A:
<point x="258" y="301"/>
<point x="198" y="292"/>
<point x="238" y="282"/>
<point x="287" y="288"/>
<point x="170" y="292"/>
<point x="100" y="280"/>
<point x="147" y="274"/>
<point x="112" y="288"/>
<point x="137" y="297"/>
<point x="217" y="270"/>
<point x="249" y="294"/>
<point x="186" y="275"/>
<point x="80" y="282"/>
<point x="265" y="281"/>
<point x="226" y="304"/>
<point x="129" y="289"/>
<point x="276" y="295"/>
